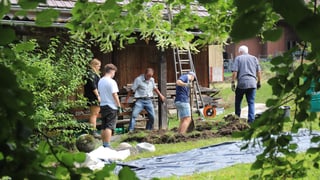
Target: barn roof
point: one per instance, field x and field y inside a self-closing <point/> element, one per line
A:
<point x="64" y="7"/>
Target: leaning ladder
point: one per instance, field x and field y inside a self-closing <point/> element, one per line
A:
<point x="183" y="64"/>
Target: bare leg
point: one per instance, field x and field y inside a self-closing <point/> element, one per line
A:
<point x="106" y="135"/>
<point x="184" y="124"/>
<point x="94" y="113"/>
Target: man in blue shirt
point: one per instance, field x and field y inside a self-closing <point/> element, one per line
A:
<point x="143" y="87"/>
<point x="182" y="100"/>
<point x="247" y="71"/>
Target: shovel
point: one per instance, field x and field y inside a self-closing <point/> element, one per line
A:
<point x="191" y="125"/>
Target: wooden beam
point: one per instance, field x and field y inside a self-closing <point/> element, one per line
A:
<point x="162" y="82"/>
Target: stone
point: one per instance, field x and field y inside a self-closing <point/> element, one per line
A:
<point x="85" y="143"/>
<point x="145" y="147"/>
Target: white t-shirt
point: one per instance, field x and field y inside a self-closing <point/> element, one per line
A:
<point x="106" y="87"/>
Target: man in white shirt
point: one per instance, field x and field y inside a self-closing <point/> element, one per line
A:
<point x="109" y="104"/>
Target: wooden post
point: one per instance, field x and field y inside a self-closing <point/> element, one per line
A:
<point x="162" y="83"/>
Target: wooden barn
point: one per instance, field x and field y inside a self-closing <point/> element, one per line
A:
<point x="131" y="61"/>
<point x="135" y="58"/>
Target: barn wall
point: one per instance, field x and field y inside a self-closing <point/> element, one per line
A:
<point x="134" y="59"/>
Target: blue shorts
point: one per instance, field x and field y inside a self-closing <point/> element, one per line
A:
<point x="183" y="109"/>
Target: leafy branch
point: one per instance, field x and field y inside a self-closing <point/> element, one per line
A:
<point x="290" y="81"/>
<point x="115" y="23"/>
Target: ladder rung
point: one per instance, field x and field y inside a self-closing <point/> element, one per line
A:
<point x="185" y="70"/>
<point x="185" y="60"/>
<point x="182" y="51"/>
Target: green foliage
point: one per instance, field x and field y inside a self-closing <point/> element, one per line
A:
<point x="290" y="84"/>
<point x="53" y="76"/>
<point x="34" y="86"/>
<point x="46" y="17"/>
<point x="16" y="126"/>
<point x="7" y="35"/>
<point x="4" y="7"/>
<point x="137" y="19"/>
<point x="126" y="174"/>
<point x="30" y="4"/>
<point x="44" y="80"/>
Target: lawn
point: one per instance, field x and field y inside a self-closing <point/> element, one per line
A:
<point x="239" y="171"/>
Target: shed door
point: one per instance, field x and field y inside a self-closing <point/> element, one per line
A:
<point x="215" y="63"/>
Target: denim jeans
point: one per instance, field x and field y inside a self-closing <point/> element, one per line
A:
<point x="250" y="96"/>
<point x="139" y="105"/>
<point x="184" y="109"/>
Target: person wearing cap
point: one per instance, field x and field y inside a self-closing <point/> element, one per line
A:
<point x="143" y="87"/>
<point x="182" y="100"/>
<point x="247" y="71"/>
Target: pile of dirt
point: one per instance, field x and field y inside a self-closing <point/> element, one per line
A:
<point x="203" y="130"/>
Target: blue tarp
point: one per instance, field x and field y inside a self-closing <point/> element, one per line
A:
<point x="208" y="158"/>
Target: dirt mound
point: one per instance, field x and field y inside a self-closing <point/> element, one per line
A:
<point x="203" y="130"/>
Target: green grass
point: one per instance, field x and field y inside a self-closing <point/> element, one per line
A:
<point x="163" y="149"/>
<point x="239" y="171"/>
<point x="228" y="96"/>
<point x="243" y="171"/>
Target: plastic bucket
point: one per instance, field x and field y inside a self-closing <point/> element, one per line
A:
<point x="315" y="98"/>
<point x="315" y="102"/>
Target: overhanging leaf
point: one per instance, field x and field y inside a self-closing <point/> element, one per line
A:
<point x="67" y="159"/>
<point x="309" y="28"/>
<point x="243" y="5"/>
<point x="79" y="157"/>
<point x="30" y="4"/>
<point x="247" y="25"/>
<point x="272" y="35"/>
<point x="7" y="35"/>
<point x="315" y="139"/>
<point x="21" y="13"/>
<point x="105" y="172"/>
<point x="313" y="150"/>
<point x="257" y="165"/>
<point x="46" y="17"/>
<point x="293" y="11"/>
<point x="4" y="7"/>
<point x="127" y="174"/>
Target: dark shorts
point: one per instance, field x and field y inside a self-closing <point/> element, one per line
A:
<point x="92" y="102"/>
<point x="108" y="117"/>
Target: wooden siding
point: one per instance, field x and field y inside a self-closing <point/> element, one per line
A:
<point x="134" y="59"/>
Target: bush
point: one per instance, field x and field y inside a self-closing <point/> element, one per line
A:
<point x="53" y="76"/>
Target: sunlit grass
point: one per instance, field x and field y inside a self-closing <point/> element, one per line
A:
<point x="244" y="171"/>
<point x="163" y="149"/>
<point x="239" y="171"/>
